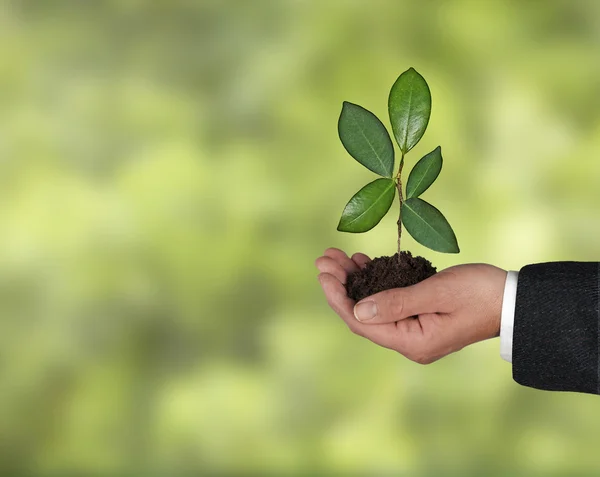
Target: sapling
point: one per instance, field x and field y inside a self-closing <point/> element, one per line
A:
<point x="366" y="139"/>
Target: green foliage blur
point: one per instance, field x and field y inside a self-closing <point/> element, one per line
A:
<point x="169" y="172"/>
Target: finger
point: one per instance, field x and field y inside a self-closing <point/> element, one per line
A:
<point x="360" y="259"/>
<point x="335" y="292"/>
<point x="329" y="265"/>
<point x="343" y="259"/>
<point x="428" y="296"/>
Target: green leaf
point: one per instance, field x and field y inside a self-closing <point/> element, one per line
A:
<point x="409" y="105"/>
<point x="428" y="226"/>
<point x="368" y="206"/>
<point x="424" y="173"/>
<point x="366" y="139"/>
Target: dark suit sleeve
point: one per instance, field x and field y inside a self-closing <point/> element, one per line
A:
<point x="556" y="328"/>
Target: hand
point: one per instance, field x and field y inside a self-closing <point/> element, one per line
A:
<point x="454" y="308"/>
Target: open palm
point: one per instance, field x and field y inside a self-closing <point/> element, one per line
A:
<point x="440" y="315"/>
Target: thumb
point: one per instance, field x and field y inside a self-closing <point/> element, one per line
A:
<point x="399" y="303"/>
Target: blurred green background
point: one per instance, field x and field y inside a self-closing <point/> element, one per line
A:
<point x="169" y="172"/>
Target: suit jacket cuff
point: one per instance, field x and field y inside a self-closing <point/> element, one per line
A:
<point x="555" y="338"/>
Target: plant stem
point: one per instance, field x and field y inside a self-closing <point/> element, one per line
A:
<point x="400" y="198"/>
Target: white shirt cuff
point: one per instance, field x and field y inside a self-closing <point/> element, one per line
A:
<point x="507" y="319"/>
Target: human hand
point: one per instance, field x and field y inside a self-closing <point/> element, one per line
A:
<point x="454" y="308"/>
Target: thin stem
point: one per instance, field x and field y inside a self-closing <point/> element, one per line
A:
<point x="401" y="199"/>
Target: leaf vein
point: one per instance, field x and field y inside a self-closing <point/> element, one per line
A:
<point x="427" y="223"/>
<point x="429" y="166"/>
<point x="408" y="118"/>
<point x="360" y="128"/>
<point x="373" y="204"/>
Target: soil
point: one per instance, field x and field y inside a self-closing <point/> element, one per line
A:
<point x="383" y="273"/>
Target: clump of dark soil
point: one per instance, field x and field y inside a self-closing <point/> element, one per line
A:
<point x="383" y="273"/>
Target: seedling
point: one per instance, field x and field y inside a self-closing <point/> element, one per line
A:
<point x="366" y="139"/>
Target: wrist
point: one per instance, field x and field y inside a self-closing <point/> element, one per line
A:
<point x="499" y="297"/>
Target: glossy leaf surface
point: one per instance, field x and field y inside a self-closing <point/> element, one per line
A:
<point x="366" y="139"/>
<point x="428" y="226"/>
<point x="368" y="206"/>
<point x="409" y="105"/>
<point x="424" y="173"/>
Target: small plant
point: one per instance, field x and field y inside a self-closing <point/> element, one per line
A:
<point x="366" y="139"/>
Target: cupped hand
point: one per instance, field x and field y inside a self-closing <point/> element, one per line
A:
<point x="454" y="308"/>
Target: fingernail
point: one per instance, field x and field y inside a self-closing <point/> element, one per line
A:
<point x="365" y="311"/>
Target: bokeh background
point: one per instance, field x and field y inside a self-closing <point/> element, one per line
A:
<point x="169" y="172"/>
